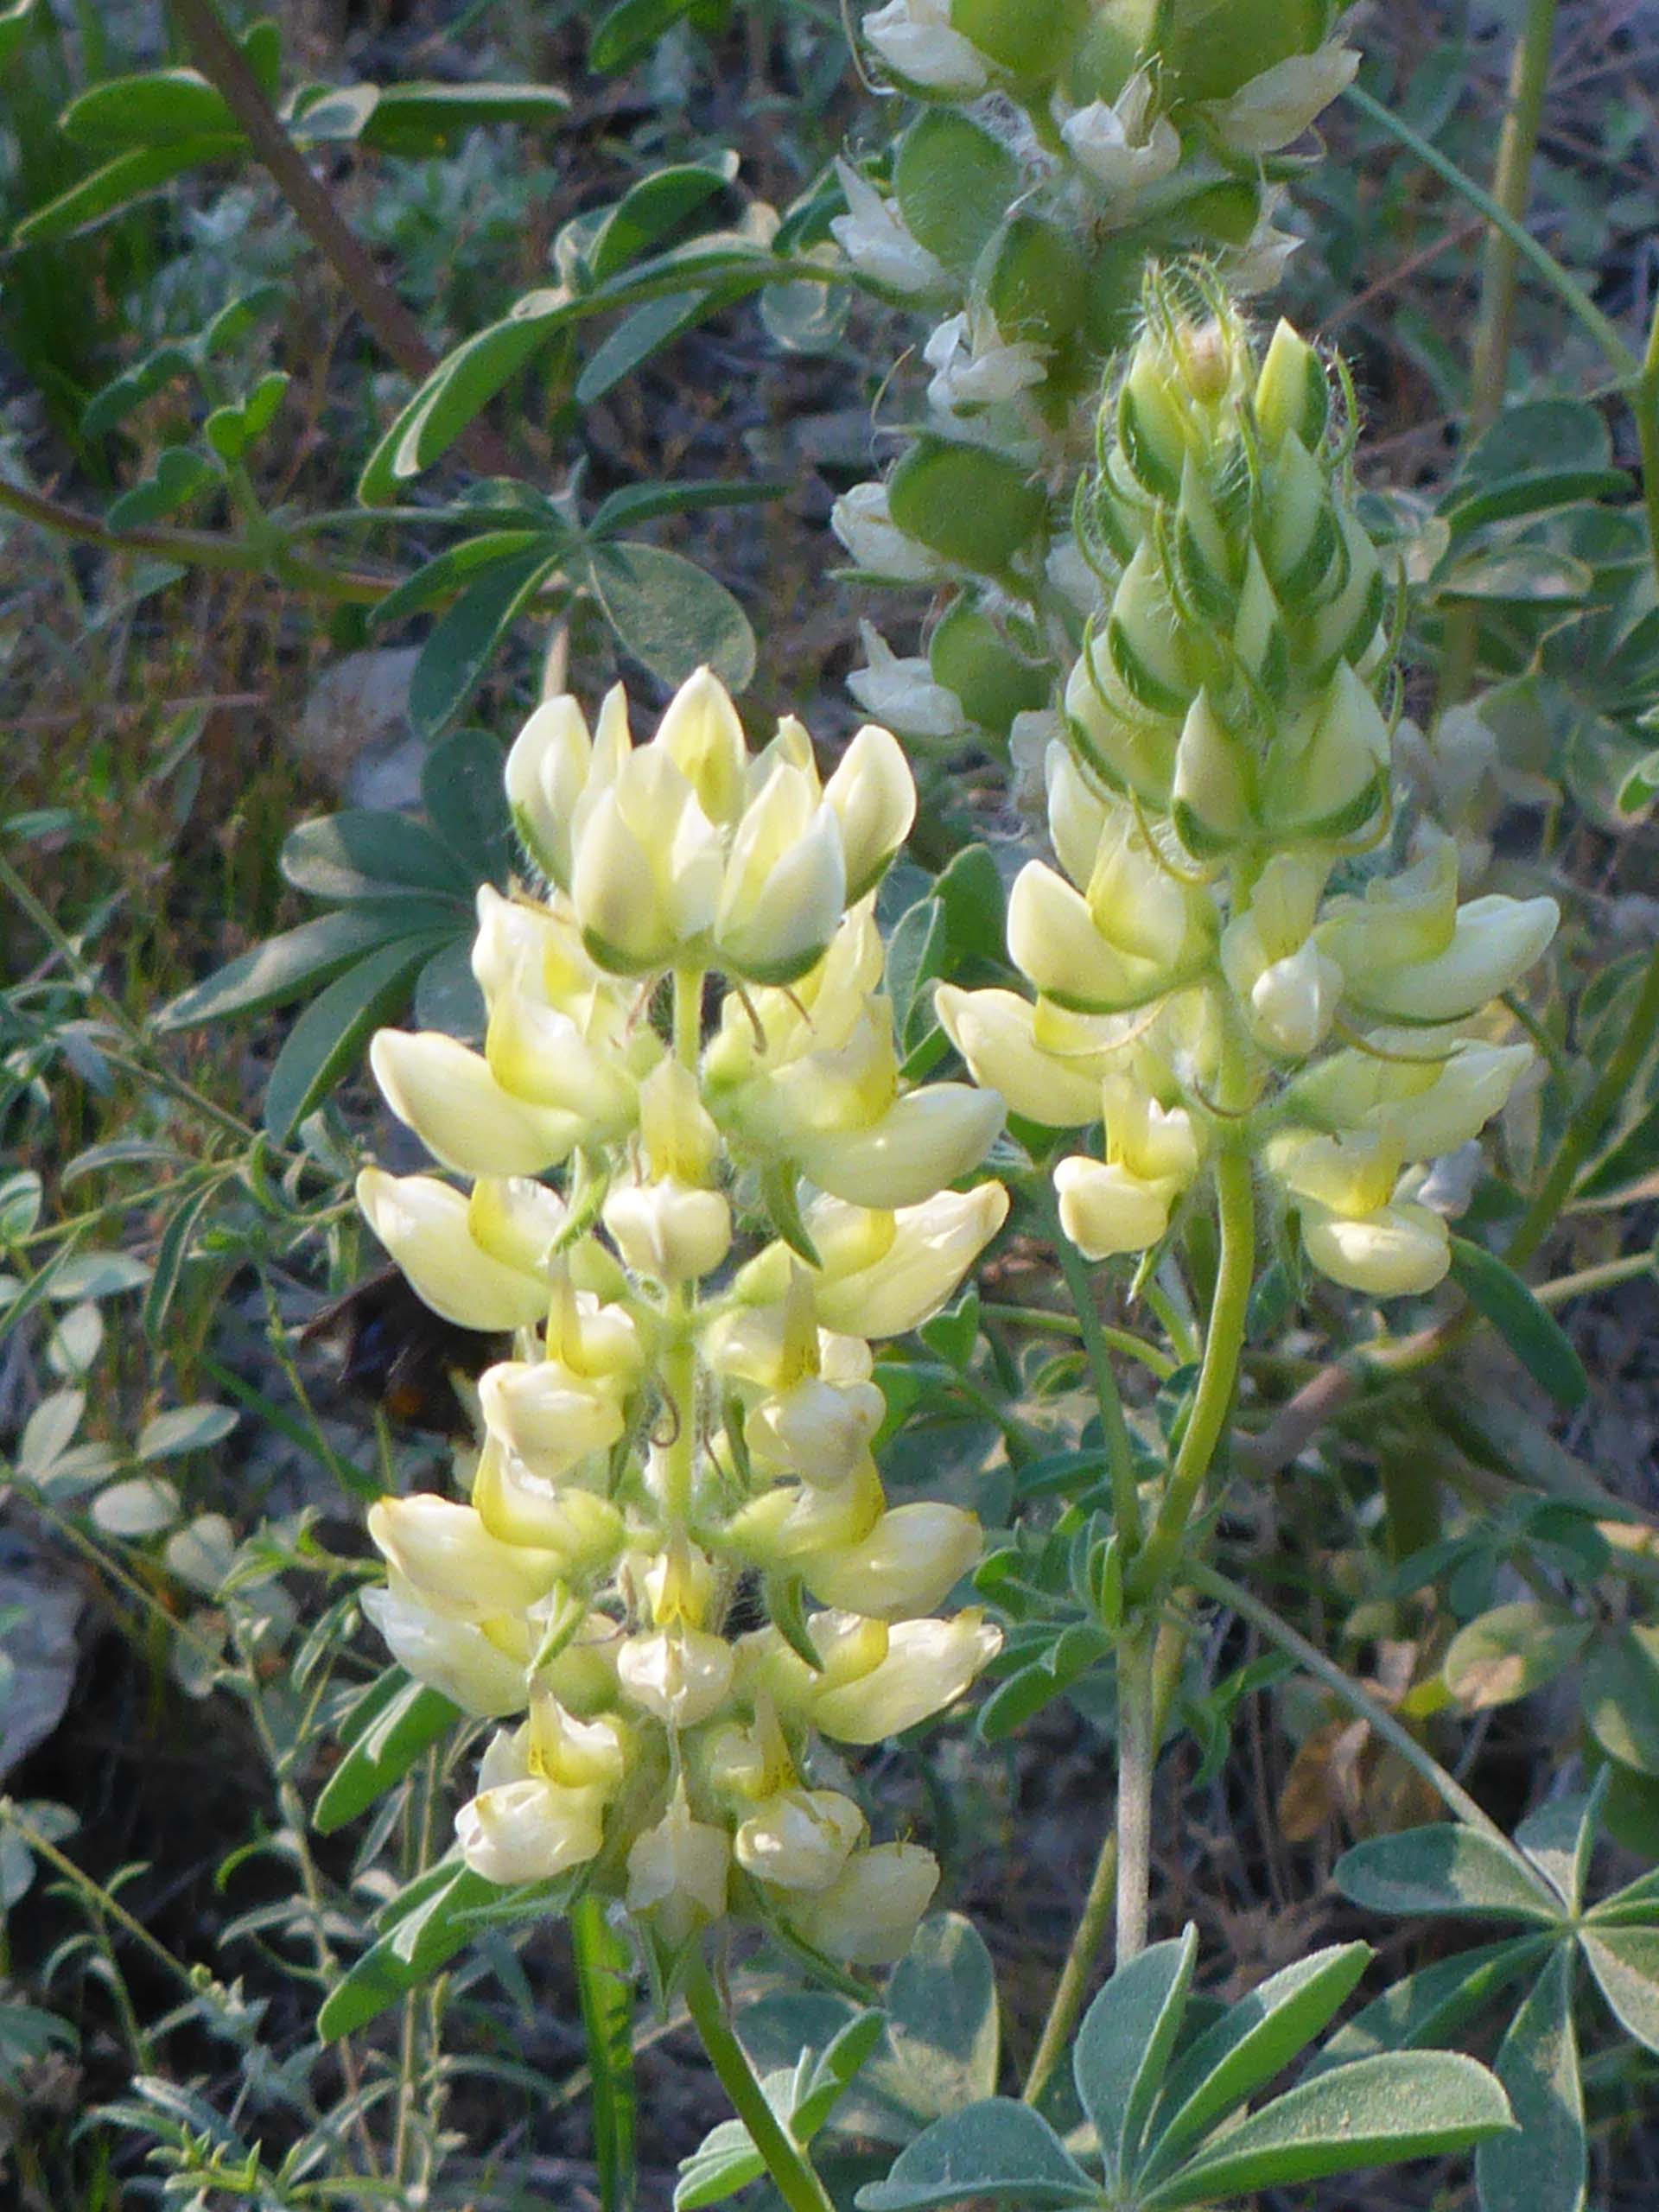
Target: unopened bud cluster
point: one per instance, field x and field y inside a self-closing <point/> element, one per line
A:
<point x="1060" y="147"/>
<point x="1204" y="976"/>
<point x="682" y="1435"/>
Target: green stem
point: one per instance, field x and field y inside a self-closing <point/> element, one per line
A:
<point x="1585" y="1281"/>
<point x="1489" y="368"/>
<point x="1120" y="1455"/>
<point x="1218" y="1377"/>
<point x="1452" y="1793"/>
<point x="1072" y="1988"/>
<point x="1137" y="1759"/>
<point x="1511" y="183"/>
<point x="791" y="2169"/>
<point x="198" y="549"/>
<point x="1043" y="1319"/>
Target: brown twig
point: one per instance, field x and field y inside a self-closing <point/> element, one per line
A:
<point x="225" y="66"/>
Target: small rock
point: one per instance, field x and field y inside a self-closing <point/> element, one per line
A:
<point x="353" y="731"/>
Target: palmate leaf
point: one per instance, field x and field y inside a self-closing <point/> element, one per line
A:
<point x="334" y="1029"/>
<point x="668" y="615"/>
<point x="1541" y="2168"/>
<point x="115" y="187"/>
<point x="1124" y="2043"/>
<point x="804" y="2096"/>
<point x="423" y="1929"/>
<point x="999" y="2150"/>
<point x="1532" y="1334"/>
<point x="454" y="658"/>
<point x="1430" y="2010"/>
<point x="1445" y="1869"/>
<point x="1254" y="2040"/>
<point x="300" y="959"/>
<point x="1625" y="1963"/>
<point x="383" y="1732"/>
<point x="1377" y="2111"/>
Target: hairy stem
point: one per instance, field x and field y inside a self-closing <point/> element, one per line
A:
<point x="791" y="2169"/>
<point x="1217" y="1376"/>
<point x="197" y="549"/>
<point x="1137" y="1759"/>
<point x="1072" y="1988"/>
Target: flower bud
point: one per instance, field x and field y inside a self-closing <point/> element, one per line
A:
<point x="454" y="1657"/>
<point x="524" y="1508"/>
<point x="531" y="1830"/>
<point x="1145" y="639"/>
<point x="1122" y="145"/>
<point x="1329" y="775"/>
<point x="800" y="1840"/>
<point x="646" y="874"/>
<point x="1495" y="940"/>
<point x="873" y="236"/>
<point x="927" y="1666"/>
<point x="926" y="1139"/>
<point x="1208" y="800"/>
<point x="547" y="771"/>
<point x="701" y="733"/>
<point x="1273" y="108"/>
<point x="873" y="796"/>
<point x="1106" y="1209"/>
<point x="914" y="38"/>
<point x="785" y="882"/>
<point x="1293" y="397"/>
<point x="993" y="1031"/>
<point x="860" y="520"/>
<point x="1117" y="740"/>
<point x="680" y="1676"/>
<point x="933" y="1246"/>
<point x="547" y="1415"/>
<point x="911" y="1559"/>
<point x="677" y="1871"/>
<point x="668" y="1231"/>
<point x="903" y="692"/>
<point x="816" y="1430"/>
<point x="868" y="1917"/>
<point x="426" y="1228"/>
<point x="1399" y="1251"/>
<point x="446" y="1555"/>
<point x="448" y="1096"/>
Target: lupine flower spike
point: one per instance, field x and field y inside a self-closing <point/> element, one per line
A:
<point x="680" y="1445"/>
